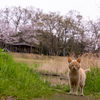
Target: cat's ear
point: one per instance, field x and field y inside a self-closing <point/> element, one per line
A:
<point x="69" y="60"/>
<point x="79" y="60"/>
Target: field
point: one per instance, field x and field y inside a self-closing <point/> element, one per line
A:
<point x="55" y="64"/>
<point x="19" y="78"/>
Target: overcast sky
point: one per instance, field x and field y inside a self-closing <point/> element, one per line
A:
<point x="87" y="8"/>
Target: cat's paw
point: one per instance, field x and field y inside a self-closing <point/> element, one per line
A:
<point x="70" y="93"/>
<point x="82" y="94"/>
<point x="75" y="93"/>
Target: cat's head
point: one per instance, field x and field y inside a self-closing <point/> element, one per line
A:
<point x="74" y="65"/>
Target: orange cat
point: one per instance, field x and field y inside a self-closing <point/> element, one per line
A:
<point x="77" y="76"/>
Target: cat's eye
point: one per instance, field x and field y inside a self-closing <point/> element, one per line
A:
<point x="72" y="65"/>
<point x="76" y="65"/>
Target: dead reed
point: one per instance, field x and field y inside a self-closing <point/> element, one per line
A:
<point x="57" y="64"/>
<point x="61" y="65"/>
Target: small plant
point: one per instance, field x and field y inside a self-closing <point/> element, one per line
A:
<point x="36" y="51"/>
<point x="1" y="50"/>
<point x="78" y="52"/>
<point x="66" y="72"/>
<point x="36" y="65"/>
<point x="64" y="88"/>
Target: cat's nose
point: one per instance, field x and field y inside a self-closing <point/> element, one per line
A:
<point x="74" y="68"/>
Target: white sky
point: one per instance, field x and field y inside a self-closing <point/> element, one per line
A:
<point x="87" y="8"/>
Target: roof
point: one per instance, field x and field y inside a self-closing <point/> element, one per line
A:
<point x="22" y="44"/>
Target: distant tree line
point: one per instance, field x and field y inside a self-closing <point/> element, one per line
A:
<point x="52" y="33"/>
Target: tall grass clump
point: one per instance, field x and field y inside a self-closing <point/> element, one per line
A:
<point x="20" y="81"/>
<point x="93" y="81"/>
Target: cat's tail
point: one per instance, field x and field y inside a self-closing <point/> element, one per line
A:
<point x="87" y="70"/>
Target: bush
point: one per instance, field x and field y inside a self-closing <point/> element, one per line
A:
<point x="36" y="51"/>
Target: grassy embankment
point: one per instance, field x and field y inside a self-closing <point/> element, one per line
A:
<point x="17" y="80"/>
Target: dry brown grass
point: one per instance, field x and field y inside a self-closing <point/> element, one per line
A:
<point x="56" y="64"/>
<point x="61" y="65"/>
<point x="27" y="56"/>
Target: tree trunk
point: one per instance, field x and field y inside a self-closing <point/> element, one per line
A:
<point x="31" y="49"/>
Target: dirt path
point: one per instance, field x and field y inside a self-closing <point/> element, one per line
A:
<point x="56" y="97"/>
<point x="65" y="97"/>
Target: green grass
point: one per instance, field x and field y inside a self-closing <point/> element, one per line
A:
<point x="93" y="81"/>
<point x="18" y="80"/>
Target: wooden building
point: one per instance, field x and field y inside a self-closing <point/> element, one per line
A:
<point x="21" y="47"/>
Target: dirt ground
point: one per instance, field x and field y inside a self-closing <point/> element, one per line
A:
<point x="56" y="97"/>
<point x="65" y="97"/>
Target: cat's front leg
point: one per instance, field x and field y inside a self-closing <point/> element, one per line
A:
<point x="71" y="89"/>
<point x="81" y="90"/>
<point x="76" y="89"/>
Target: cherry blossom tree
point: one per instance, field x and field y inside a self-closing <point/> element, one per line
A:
<point x="7" y="16"/>
<point x="17" y="16"/>
<point x="26" y="16"/>
<point x="7" y="33"/>
<point x="28" y="34"/>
